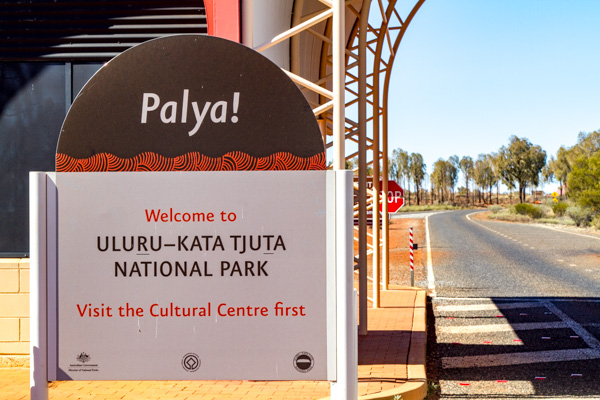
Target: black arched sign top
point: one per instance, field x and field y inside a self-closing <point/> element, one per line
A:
<point x="189" y="103"/>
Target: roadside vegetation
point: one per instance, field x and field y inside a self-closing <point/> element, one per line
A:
<point x="521" y="167"/>
<point x="559" y="213"/>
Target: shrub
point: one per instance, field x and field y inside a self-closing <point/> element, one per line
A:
<point x="529" y="209"/>
<point x="560" y="208"/>
<point x="495" y="209"/>
<point x="581" y="216"/>
<point x="509" y="217"/>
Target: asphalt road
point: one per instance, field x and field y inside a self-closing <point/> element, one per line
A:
<point x="516" y="312"/>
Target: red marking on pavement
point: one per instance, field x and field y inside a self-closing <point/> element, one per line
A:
<point x="449" y="317"/>
<point x="499" y="316"/>
<point x="464" y="384"/>
<point x="517" y="340"/>
<point x="540" y="378"/>
<point x="574" y="337"/>
<point x="487" y="342"/>
<point x="455" y="343"/>
<point x="501" y="381"/>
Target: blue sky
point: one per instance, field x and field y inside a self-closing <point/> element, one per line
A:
<point x="471" y="73"/>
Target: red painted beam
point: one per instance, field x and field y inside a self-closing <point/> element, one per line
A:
<point x="223" y="19"/>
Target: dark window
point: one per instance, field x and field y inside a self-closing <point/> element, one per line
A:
<point x="48" y="51"/>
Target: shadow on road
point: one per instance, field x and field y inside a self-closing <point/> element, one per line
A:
<point x="514" y="348"/>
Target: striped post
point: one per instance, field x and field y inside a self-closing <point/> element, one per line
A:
<point x="412" y="262"/>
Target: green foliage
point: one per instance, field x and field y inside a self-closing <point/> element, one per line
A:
<point x="529" y="210"/>
<point x="417" y="169"/>
<point x="432" y="389"/>
<point x="495" y="209"/>
<point x="466" y="166"/>
<point x="520" y="164"/>
<point x="444" y="177"/>
<point x="351" y="164"/>
<point x="560" y="209"/>
<point x="584" y="181"/>
<point x="560" y="166"/>
<point x="581" y="216"/>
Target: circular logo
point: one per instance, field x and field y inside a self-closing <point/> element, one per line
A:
<point x="191" y="362"/>
<point x="304" y="362"/>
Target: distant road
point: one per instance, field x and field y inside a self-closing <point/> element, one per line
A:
<point x="474" y="258"/>
<point x="517" y="312"/>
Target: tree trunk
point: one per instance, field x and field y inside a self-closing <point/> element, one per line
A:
<point x="498" y="193"/>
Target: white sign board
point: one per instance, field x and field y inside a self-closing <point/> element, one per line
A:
<point x="192" y="275"/>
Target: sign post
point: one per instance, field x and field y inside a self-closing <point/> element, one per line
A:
<point x="171" y="247"/>
<point x="37" y="284"/>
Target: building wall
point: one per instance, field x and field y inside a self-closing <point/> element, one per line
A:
<point x="14" y="312"/>
<point x="264" y="19"/>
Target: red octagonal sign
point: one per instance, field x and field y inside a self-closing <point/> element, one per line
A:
<point x="395" y="196"/>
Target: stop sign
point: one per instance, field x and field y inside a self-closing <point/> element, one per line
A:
<point x="395" y="196"/>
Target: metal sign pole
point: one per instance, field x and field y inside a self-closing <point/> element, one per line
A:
<point x="346" y="385"/>
<point x="38" y="375"/>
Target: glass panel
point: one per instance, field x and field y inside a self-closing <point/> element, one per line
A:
<point x="82" y="74"/>
<point x="32" y="109"/>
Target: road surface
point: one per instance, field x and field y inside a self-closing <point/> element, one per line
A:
<point x="517" y="310"/>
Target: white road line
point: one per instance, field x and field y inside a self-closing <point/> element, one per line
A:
<point x="482" y="307"/>
<point x="527" y="326"/>
<point x="430" y="277"/>
<point x="496" y="360"/>
<point x="569" y="232"/>
<point x="587" y="337"/>
<point x="469" y="218"/>
<point x="554" y="299"/>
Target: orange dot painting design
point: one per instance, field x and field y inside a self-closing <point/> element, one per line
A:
<point x="193" y="161"/>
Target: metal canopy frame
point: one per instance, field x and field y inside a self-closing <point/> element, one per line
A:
<point x="359" y="130"/>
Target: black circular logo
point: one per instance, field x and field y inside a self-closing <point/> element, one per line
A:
<point x="304" y="362"/>
<point x="191" y="362"/>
